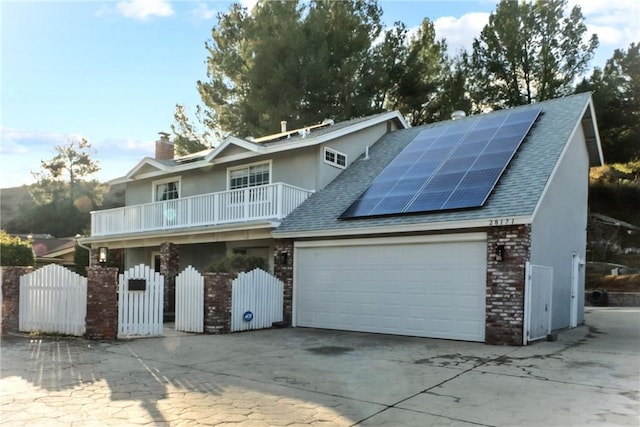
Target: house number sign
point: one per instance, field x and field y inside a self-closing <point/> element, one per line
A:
<point x="247" y="316"/>
<point x="502" y="221"/>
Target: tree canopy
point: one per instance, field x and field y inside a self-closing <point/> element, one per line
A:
<point x="529" y="52"/>
<point x="416" y="79"/>
<point x="616" y="97"/>
<point x="302" y="62"/>
<point x="63" y="195"/>
<point x="292" y="61"/>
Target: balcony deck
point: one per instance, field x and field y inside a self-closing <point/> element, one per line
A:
<point x="273" y="201"/>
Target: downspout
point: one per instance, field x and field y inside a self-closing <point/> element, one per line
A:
<point x="80" y="244"/>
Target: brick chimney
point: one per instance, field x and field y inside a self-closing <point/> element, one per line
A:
<point x="164" y="147"/>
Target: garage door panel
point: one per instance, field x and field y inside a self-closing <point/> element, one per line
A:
<point x="422" y="289"/>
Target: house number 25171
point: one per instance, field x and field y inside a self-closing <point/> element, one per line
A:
<point x="502" y="221"/>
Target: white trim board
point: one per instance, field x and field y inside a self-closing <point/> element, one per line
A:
<point x="433" y="238"/>
<point x="406" y="228"/>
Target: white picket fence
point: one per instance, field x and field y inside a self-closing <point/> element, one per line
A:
<point x="190" y="301"/>
<point x="53" y="299"/>
<point x="256" y="301"/>
<point x="140" y="312"/>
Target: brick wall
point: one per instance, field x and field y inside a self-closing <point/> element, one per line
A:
<point x="165" y="150"/>
<point x="115" y="257"/>
<point x="612" y="299"/>
<point x="169" y="268"/>
<point x="505" y="284"/>
<point x="11" y="296"/>
<point x="217" y="302"/>
<point x="283" y="270"/>
<point x="94" y="256"/>
<point x="102" y="303"/>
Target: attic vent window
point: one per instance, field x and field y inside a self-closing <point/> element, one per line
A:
<point x="335" y="158"/>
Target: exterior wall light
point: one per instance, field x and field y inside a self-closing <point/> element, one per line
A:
<point x="500" y="253"/>
<point x="103" y="251"/>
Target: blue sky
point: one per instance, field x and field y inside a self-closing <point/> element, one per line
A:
<point x="113" y="71"/>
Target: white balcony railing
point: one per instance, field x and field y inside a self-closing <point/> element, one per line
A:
<point x="273" y="201"/>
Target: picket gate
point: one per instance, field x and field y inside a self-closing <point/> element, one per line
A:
<point x="140" y="302"/>
<point x="256" y="301"/>
<point x="190" y="301"/>
<point x="53" y="299"/>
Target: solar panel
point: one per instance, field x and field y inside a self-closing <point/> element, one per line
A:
<point x="447" y="167"/>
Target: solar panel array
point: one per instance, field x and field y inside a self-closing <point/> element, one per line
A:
<point x="446" y="167"/>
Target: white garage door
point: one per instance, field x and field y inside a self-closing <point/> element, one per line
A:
<point x="429" y="286"/>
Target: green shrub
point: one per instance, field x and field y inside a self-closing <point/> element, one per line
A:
<point x="14" y="251"/>
<point x="236" y="263"/>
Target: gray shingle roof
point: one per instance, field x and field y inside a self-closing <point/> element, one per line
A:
<point x="516" y="194"/>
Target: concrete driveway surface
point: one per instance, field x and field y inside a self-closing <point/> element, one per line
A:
<point x="298" y="377"/>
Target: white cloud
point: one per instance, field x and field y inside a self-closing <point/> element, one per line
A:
<point x="18" y="140"/>
<point x="607" y="36"/>
<point x="202" y="12"/>
<point x="616" y="22"/>
<point x="142" y="9"/>
<point x="116" y="146"/>
<point x="249" y="4"/>
<point x="22" y="150"/>
<point x="460" y="32"/>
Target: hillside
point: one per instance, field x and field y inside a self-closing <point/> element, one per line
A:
<point x="620" y="201"/>
<point x="10" y="201"/>
<point x="13" y="198"/>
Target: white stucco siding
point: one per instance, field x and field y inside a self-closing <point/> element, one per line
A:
<point x="197" y="255"/>
<point x="202" y="182"/>
<point x="138" y="192"/>
<point x="135" y="256"/>
<point x="559" y="227"/>
<point x="295" y="167"/>
<point x="302" y="167"/>
<point x="352" y="145"/>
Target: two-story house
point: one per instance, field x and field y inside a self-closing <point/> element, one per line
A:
<point x="199" y="207"/>
<point x="472" y="228"/>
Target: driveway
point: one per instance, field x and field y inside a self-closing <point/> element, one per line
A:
<point x="300" y="377"/>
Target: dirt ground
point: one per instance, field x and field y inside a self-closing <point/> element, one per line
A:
<point x="626" y="283"/>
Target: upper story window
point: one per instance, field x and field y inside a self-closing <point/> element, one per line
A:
<point x="335" y="158"/>
<point x="166" y="189"/>
<point x="250" y="175"/>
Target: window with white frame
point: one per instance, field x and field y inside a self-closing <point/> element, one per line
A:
<point x="335" y="158"/>
<point x="166" y="189"/>
<point x="250" y="176"/>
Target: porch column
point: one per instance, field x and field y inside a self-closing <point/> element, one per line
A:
<point x="169" y="268"/>
<point x="283" y="270"/>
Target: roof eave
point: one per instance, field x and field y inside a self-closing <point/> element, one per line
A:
<point x="254" y="149"/>
<point x="401" y="228"/>
<point x="592" y="135"/>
